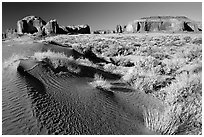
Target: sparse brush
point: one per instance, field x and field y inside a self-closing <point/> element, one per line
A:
<point x="131" y="73"/>
<point x="115" y="69"/>
<point x="189" y="52"/>
<point x="172" y="65"/>
<point x="176" y="119"/>
<point x="188" y="39"/>
<point x="100" y="82"/>
<point x="162" y="122"/>
<point x="58" y="60"/>
<point x="86" y="62"/>
<point x="121" y="61"/>
<point x="49" y="54"/>
<point x="197" y="41"/>
<point x="183" y="113"/>
<point x="167" y="66"/>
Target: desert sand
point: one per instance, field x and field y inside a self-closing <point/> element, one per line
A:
<point x="105" y="83"/>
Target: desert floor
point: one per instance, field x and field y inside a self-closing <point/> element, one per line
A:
<point x="122" y="83"/>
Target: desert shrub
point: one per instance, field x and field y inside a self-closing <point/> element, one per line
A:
<point x="187" y="39"/>
<point x="146" y="82"/>
<point x="183" y="111"/>
<point x="85" y="62"/>
<point x="49" y="54"/>
<point x="121" y="61"/>
<point x="197" y="41"/>
<point x="160" y="56"/>
<point x="193" y="52"/>
<point x="192" y="67"/>
<point x="183" y="87"/>
<point x="172" y="65"/>
<point x="189" y="51"/>
<point x="145" y="50"/>
<point x="57" y="61"/>
<point x="82" y="48"/>
<point x="176" y="119"/>
<point x="100" y="83"/>
<point x="178" y="43"/>
<point x="115" y="50"/>
<point x="110" y="67"/>
<point x="147" y="63"/>
<point x="115" y="69"/>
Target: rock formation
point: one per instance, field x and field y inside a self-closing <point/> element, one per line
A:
<point x="30" y="24"/>
<point x="9" y="33"/>
<point x="119" y="29"/>
<point x="199" y="25"/>
<point x="62" y="30"/>
<point x="3" y="35"/>
<point x="79" y="29"/>
<point x="84" y="29"/>
<point x="51" y="27"/>
<point x="162" y="23"/>
<point x="33" y="24"/>
<point x="103" y="32"/>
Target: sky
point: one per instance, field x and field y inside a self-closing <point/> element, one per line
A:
<point x="97" y="15"/>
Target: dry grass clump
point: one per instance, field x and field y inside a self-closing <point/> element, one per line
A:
<point x="60" y="62"/>
<point x="183" y="113"/>
<point x="175" y="120"/>
<point x="100" y="83"/>
<point x="172" y="65"/>
<point x="121" y="61"/>
<point x="147" y="81"/>
<point x="147" y="75"/>
<point x="49" y="54"/>
<point x="57" y="61"/>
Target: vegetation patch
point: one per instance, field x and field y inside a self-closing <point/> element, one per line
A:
<point x="166" y="66"/>
<point x="57" y="61"/>
<point x="100" y="83"/>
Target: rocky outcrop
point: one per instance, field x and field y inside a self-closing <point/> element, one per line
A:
<point x="9" y="33"/>
<point x="199" y="25"/>
<point x="79" y="29"/>
<point x="84" y="29"/>
<point x="119" y="29"/>
<point x="103" y="32"/>
<point x="99" y="32"/>
<point x="30" y="24"/>
<point x="51" y="27"/>
<point x="162" y="23"/>
<point x="62" y="30"/>
<point x="3" y="35"/>
<point x="35" y="25"/>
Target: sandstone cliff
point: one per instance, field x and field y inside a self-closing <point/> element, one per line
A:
<point x="163" y="23"/>
<point x="30" y="24"/>
<point x="33" y="24"/>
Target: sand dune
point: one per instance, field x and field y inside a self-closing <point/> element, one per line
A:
<point x="74" y="91"/>
<point x="98" y="111"/>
